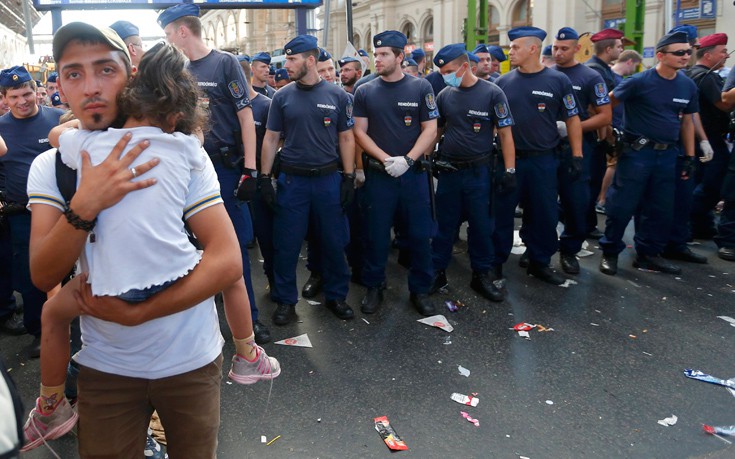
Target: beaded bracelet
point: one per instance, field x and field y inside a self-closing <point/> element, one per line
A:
<point x="77" y="222"/>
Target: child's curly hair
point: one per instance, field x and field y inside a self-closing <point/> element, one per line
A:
<point x="163" y="87"/>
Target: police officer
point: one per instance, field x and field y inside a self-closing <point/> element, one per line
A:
<point x="497" y="55"/>
<point x="365" y="58"/>
<point x="725" y="238"/>
<point x="574" y="194"/>
<point x="232" y="134"/>
<point x="316" y="118"/>
<point x="131" y="37"/>
<point x="349" y="72"/>
<point x="436" y="81"/>
<point x="419" y="56"/>
<point x="395" y="123"/>
<point x="658" y="127"/>
<point x="547" y="58"/>
<point x="538" y="98"/>
<point x="282" y="78"/>
<point x="469" y="111"/>
<point x="25" y="132"/>
<point x="711" y="57"/>
<point x="51" y="84"/>
<point x="485" y="61"/>
<point x="260" y="66"/>
<point x="474" y="62"/>
<point x="11" y="319"/>
<point x="325" y="67"/>
<point x="411" y="68"/>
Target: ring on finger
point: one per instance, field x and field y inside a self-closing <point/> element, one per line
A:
<point x="132" y="170"/>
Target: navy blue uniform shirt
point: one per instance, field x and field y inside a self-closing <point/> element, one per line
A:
<point x="395" y="111"/>
<point x="26" y="138"/>
<point x="619" y="110"/>
<point x="468" y="116"/>
<point x="267" y="91"/>
<point x="730" y="82"/>
<point x="654" y="106"/>
<point x="538" y="100"/>
<point x="437" y="81"/>
<point x="260" y="104"/>
<point x="225" y="90"/>
<point x="589" y="88"/>
<point x="311" y="119"/>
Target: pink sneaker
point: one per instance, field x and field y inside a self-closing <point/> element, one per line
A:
<point x="262" y="368"/>
<point x="40" y="427"/>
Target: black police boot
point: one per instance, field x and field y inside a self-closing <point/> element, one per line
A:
<point x="371" y="301"/>
<point x="340" y="309"/>
<point x="262" y="334"/>
<point x="569" y="263"/>
<point x="726" y="253"/>
<point x="440" y="282"/>
<point x="313" y="286"/>
<point x="523" y="261"/>
<point x="498" y="272"/>
<point x="284" y="314"/>
<point x="423" y="304"/>
<point x="482" y="283"/>
<point x="595" y="234"/>
<point x="655" y="263"/>
<point x="13" y="325"/>
<point x="685" y="255"/>
<point x="404" y="258"/>
<point x="544" y="273"/>
<point x="609" y="264"/>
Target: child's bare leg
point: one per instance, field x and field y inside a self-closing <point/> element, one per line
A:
<point x="606" y="182"/>
<point x="237" y="311"/>
<point x="56" y="316"/>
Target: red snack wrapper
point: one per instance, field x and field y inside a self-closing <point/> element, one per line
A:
<point x="389" y="436"/>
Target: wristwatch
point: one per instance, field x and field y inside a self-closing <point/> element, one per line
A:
<point x="511" y="170"/>
<point x="409" y="161"/>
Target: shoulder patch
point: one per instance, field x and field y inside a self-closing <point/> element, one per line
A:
<point x="600" y="90"/>
<point x="569" y="102"/>
<point x="236" y="89"/>
<point x="430" y="102"/>
<point x="501" y="111"/>
<point x="348" y="110"/>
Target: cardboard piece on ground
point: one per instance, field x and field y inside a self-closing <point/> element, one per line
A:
<point x="438" y="321"/>
<point x="298" y="341"/>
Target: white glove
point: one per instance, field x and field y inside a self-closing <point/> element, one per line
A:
<point x="396" y="166"/>
<point x="561" y="126"/>
<point x="707" y="151"/>
<point x="359" y="178"/>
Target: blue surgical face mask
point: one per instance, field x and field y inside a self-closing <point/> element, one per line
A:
<point x="452" y="79"/>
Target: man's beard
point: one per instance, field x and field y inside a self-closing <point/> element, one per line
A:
<point x="301" y="74"/>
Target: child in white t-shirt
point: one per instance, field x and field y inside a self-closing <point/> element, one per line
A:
<point x="139" y="246"/>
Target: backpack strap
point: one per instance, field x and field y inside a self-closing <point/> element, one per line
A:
<point x="66" y="178"/>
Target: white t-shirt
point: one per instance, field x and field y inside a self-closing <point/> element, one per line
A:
<point x="160" y="348"/>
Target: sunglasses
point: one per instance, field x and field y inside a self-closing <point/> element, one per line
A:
<point x="680" y="53"/>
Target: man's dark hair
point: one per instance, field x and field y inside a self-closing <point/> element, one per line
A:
<point x="163" y="87"/>
<point x="399" y="52"/>
<point x="311" y="52"/>
<point x="27" y="84"/>
<point x="246" y="70"/>
<point x="602" y="45"/>
<point x="461" y="59"/>
<point x="702" y="51"/>
<point x="192" y="23"/>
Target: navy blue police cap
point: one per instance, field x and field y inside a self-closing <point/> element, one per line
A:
<point x="547" y="51"/>
<point x="672" y="38"/>
<point x="567" y="33"/>
<point x="39" y="84"/>
<point x="347" y="60"/>
<point x="243" y="57"/>
<point x="169" y="15"/>
<point x="56" y="99"/>
<point x="390" y="38"/>
<point x="125" y="29"/>
<point x="418" y="54"/>
<point x="52" y="77"/>
<point x="688" y="29"/>
<point x="14" y="76"/>
<point x="281" y="74"/>
<point x="362" y="52"/>
<point x="481" y="48"/>
<point x="301" y="44"/>
<point x="410" y="63"/>
<point x="473" y="58"/>
<point x="324" y="55"/>
<point x="261" y="57"/>
<point x="497" y="53"/>
<point x="449" y="53"/>
<point x="272" y="70"/>
<point x="526" y="31"/>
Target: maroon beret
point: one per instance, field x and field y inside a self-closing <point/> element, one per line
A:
<point x="713" y="40"/>
<point x="607" y="34"/>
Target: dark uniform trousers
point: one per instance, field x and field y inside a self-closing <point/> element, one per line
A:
<point x="7" y="299"/>
<point x="574" y="198"/>
<point x="460" y="195"/>
<point x="537" y="190"/>
<point x="33" y="298"/>
<point x="301" y="201"/>
<point x="644" y="184"/>
<point x="263" y="229"/>
<point x="406" y="199"/>
<point x="598" y="167"/>
<point x="707" y="191"/>
<point x="683" y="197"/>
<point x="726" y="228"/>
<point x="240" y="215"/>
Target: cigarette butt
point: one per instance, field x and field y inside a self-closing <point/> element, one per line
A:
<point x="270" y="442"/>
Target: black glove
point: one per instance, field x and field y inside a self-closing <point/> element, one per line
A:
<point x="267" y="192"/>
<point x="574" y="168"/>
<point x="246" y="189"/>
<point x="507" y="183"/>
<point x="347" y="190"/>
<point x="687" y="167"/>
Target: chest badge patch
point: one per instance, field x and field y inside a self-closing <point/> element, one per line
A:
<point x="407" y="120"/>
<point x="541" y="107"/>
<point x="327" y="121"/>
<point x="476" y="127"/>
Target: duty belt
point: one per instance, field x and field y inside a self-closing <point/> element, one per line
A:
<point x="320" y="171"/>
<point x="468" y="163"/>
<point x="522" y="154"/>
<point x="638" y="143"/>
